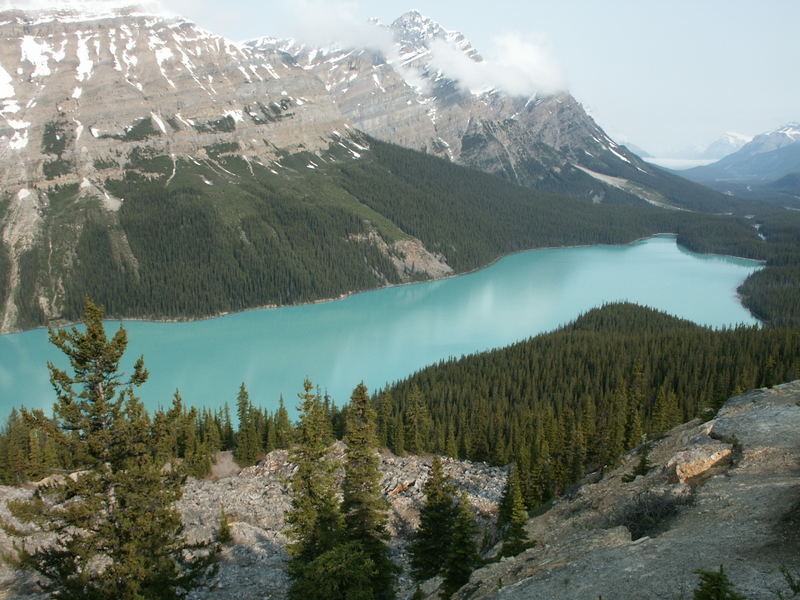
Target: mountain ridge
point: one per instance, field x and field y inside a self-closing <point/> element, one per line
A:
<point x="131" y="141"/>
<point x="401" y="93"/>
<point x="767" y="157"/>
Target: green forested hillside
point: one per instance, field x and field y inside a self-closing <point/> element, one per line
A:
<point x="199" y="237"/>
<point x="576" y="399"/>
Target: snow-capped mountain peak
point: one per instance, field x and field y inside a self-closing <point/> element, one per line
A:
<point x="728" y="143"/>
<point x="790" y="130"/>
<point x="413" y="31"/>
<point x="787" y="135"/>
<point x="72" y="11"/>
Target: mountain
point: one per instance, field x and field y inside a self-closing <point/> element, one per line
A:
<point x="167" y="172"/>
<point x="637" y="150"/>
<point x="424" y="88"/>
<point x="93" y="102"/>
<point x="728" y="143"/>
<point x="789" y="184"/>
<point x="769" y="156"/>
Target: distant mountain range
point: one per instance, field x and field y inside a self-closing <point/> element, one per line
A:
<point x="767" y="157"/>
<point x="400" y="93"/>
<point x="728" y="143"/>
<point x="167" y="171"/>
<point x="766" y="168"/>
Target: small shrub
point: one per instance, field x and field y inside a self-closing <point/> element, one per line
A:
<point x="648" y="513"/>
<point x="715" y="586"/>
<point x="224" y="534"/>
<point x="793" y="584"/>
<point x="643" y="468"/>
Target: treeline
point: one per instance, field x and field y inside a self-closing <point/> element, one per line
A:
<point x="179" y="247"/>
<point x="564" y="403"/>
<point x="30" y="452"/>
<point x="773" y="293"/>
<point x="191" y="260"/>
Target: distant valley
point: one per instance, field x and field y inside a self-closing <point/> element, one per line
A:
<point x="135" y="143"/>
<point x="156" y="173"/>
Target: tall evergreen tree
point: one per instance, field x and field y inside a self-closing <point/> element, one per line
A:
<point x="315" y="521"/>
<point x="514" y="517"/>
<point x="283" y="427"/>
<point x="436" y="519"/>
<point x="418" y="423"/>
<point x="248" y="442"/>
<point x="365" y="511"/>
<point x="462" y="555"/>
<point x="505" y="509"/>
<point x="117" y="532"/>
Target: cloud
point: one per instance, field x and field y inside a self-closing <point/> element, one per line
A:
<point x="84" y="6"/>
<point x="515" y="65"/>
<point x="324" y="24"/>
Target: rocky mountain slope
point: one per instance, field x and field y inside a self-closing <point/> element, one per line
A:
<point x="727" y="492"/>
<point x="91" y="98"/>
<point x="256" y="500"/>
<point x="401" y="93"/>
<point x="167" y="172"/>
<point x="767" y="157"/>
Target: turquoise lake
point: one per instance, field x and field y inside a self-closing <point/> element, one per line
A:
<point x="384" y="335"/>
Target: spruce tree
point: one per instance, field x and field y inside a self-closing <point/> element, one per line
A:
<point x="117" y="533"/>
<point x="14" y="459"/>
<point x="462" y="555"/>
<point x="365" y="511"/>
<point x="715" y="586"/>
<point x="248" y="443"/>
<point x="224" y="533"/>
<point x="437" y="516"/>
<point x="283" y="427"/>
<point x="315" y="521"/>
<point x="515" y="538"/>
<point x="418" y="423"/>
<point x="506" y="507"/>
<point x="344" y="572"/>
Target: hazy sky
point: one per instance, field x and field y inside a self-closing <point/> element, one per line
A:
<point x="665" y="75"/>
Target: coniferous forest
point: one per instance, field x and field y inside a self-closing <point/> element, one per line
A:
<point x="555" y="406"/>
<point x="183" y="249"/>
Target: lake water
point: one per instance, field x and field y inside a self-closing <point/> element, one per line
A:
<point x="384" y="335"/>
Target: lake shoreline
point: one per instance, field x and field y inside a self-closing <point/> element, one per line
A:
<point x="349" y="294"/>
<point x="385" y="336"/>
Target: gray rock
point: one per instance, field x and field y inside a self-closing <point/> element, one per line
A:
<point x="744" y="515"/>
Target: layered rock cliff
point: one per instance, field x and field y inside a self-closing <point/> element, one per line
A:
<point x="399" y="91"/>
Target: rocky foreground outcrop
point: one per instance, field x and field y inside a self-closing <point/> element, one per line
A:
<point x="731" y="485"/>
<point x="721" y="492"/>
<point x="256" y="499"/>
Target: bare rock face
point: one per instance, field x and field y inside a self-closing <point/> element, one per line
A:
<point x="89" y="98"/>
<point x="398" y="94"/>
<point x="81" y="88"/>
<point x="255" y="501"/>
<point x="703" y="454"/>
<point x="728" y="494"/>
